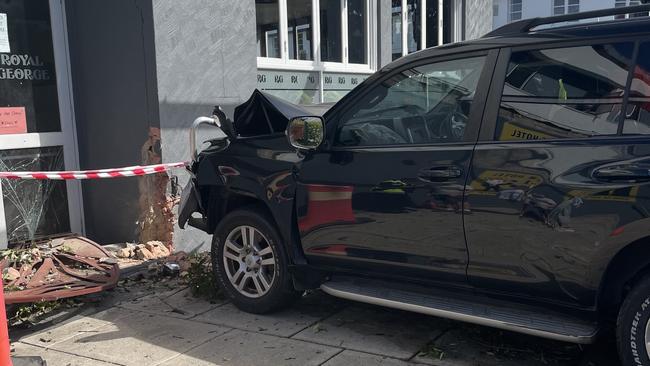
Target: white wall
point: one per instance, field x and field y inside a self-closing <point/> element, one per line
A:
<point x="543" y="8"/>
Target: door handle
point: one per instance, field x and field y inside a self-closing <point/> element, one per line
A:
<point x="625" y="172"/>
<point x="440" y="173"/>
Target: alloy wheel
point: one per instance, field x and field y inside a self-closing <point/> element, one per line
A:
<point x="249" y="261"/>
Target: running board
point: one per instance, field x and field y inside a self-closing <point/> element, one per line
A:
<point x="482" y="311"/>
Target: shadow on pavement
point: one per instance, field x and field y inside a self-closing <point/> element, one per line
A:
<point x="172" y="328"/>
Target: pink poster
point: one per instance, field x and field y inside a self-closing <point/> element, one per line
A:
<point x="13" y="120"/>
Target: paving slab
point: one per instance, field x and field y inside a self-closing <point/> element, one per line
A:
<point x="377" y="330"/>
<point x="306" y="312"/>
<point x="126" y="293"/>
<point x="347" y="358"/>
<point x="84" y="325"/>
<point x="140" y="339"/>
<point x="242" y="348"/>
<point x="55" y="358"/>
<point x="178" y="304"/>
<point x="470" y="345"/>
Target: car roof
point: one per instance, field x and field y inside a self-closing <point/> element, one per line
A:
<point x="571" y="32"/>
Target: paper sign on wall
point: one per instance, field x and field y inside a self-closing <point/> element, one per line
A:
<point x="13" y="120"/>
<point x="4" y="34"/>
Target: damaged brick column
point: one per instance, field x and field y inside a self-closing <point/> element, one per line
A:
<point x="156" y="220"/>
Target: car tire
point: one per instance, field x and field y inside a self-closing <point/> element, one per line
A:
<point x="633" y="320"/>
<point x="255" y="288"/>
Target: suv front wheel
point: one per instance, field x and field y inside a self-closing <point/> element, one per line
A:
<point x="633" y="326"/>
<point x="250" y="263"/>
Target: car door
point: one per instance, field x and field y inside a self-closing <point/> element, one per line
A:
<point x="385" y="196"/>
<point x="552" y="191"/>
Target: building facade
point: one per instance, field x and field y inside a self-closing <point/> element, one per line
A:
<point x="89" y="84"/>
<point x="506" y="11"/>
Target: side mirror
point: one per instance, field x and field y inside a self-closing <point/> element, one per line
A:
<point x="306" y="133"/>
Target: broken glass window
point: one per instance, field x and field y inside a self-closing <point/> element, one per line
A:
<point x="34" y="208"/>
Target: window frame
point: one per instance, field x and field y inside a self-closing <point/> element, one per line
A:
<point x="423" y="26"/>
<point x="285" y="63"/>
<point x="565" y="7"/>
<point x="488" y="127"/>
<point x="510" y="12"/>
<point x="623" y="3"/>
<point x="456" y="31"/>
<point x="333" y="117"/>
<point x="554" y="7"/>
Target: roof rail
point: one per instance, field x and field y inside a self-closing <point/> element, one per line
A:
<point x="524" y="26"/>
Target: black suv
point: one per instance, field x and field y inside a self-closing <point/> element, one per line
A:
<point x="501" y="181"/>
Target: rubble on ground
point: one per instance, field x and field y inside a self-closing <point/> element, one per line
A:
<point x="48" y="279"/>
<point x="147" y="251"/>
<point x="56" y="267"/>
<point x="138" y="278"/>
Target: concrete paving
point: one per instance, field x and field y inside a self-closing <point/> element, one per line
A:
<point x="172" y="328"/>
<point x="376" y="330"/>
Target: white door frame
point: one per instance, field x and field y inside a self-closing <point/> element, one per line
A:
<point x="67" y="138"/>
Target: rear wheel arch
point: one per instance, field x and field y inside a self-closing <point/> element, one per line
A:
<point x="628" y="266"/>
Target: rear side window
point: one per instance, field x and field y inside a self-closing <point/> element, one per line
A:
<point x="572" y="92"/>
<point x="637" y="114"/>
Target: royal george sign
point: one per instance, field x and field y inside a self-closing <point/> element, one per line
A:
<point x="22" y="67"/>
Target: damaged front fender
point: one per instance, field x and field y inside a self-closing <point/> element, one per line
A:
<point x="190" y="203"/>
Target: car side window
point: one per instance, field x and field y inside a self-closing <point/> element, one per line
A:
<point x="637" y="114"/>
<point x="422" y="104"/>
<point x="572" y="92"/>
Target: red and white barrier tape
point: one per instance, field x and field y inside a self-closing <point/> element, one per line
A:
<point x="95" y="174"/>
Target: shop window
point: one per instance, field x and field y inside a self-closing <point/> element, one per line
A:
<point x="29" y="100"/>
<point x="34" y="208"/>
<point x="299" y="14"/>
<point x="432" y="22"/>
<point x="571" y="92"/>
<point x="357" y="32"/>
<point x="413" y="25"/>
<point x="447" y="22"/>
<point x="267" y="14"/>
<point x="637" y="115"/>
<point x="331" y="44"/>
<point x="290" y="30"/>
<point x="416" y="25"/>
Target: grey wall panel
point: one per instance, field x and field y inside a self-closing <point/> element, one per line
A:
<point x="478" y="19"/>
<point x="385" y="35"/>
<point x="113" y="75"/>
<point x="206" y="55"/>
